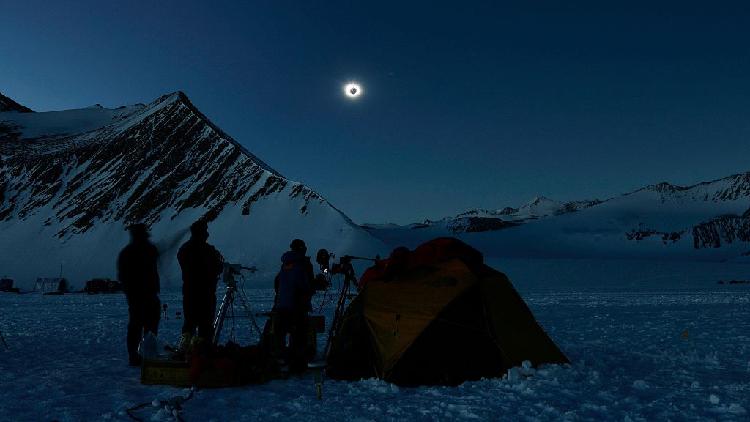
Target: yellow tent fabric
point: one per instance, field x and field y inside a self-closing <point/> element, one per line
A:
<point x="441" y="322"/>
<point x="518" y="335"/>
<point x="398" y="312"/>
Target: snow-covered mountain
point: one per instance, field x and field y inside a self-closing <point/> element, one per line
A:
<point x="70" y="181"/>
<point x="7" y="104"/>
<point x="481" y="220"/>
<point x="709" y="220"/>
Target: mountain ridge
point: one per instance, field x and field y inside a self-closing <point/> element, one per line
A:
<point x="72" y="177"/>
<point x="706" y="220"/>
<point x="88" y="152"/>
<point x="8" y="104"/>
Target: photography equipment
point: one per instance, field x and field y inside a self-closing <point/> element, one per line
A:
<point x="345" y="268"/>
<point x="323" y="258"/>
<point x="231" y="277"/>
<point x="322" y="280"/>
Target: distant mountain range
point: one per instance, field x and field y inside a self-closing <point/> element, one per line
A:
<point x="709" y="220"/>
<point x="70" y="181"/>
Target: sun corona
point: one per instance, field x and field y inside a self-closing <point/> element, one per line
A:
<point x="353" y="90"/>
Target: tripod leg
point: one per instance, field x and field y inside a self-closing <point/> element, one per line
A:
<point x="246" y="305"/>
<point x="226" y="302"/>
<point x="337" y="315"/>
<point x="319" y="383"/>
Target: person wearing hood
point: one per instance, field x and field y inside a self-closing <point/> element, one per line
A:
<point x="137" y="270"/>
<point x="201" y="266"/>
<point x="294" y="291"/>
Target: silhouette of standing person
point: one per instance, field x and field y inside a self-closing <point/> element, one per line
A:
<point x="294" y="290"/>
<point x="201" y="266"/>
<point x="137" y="270"/>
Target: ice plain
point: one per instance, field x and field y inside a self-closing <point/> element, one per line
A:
<point x="648" y="340"/>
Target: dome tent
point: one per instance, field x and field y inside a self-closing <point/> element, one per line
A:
<point x="437" y="316"/>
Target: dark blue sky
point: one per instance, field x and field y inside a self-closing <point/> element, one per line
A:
<point x="467" y="104"/>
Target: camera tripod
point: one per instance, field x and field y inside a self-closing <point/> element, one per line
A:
<point x="231" y="272"/>
<point x="344" y="267"/>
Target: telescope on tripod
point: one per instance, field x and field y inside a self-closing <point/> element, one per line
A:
<point x="232" y="276"/>
<point x="345" y="268"/>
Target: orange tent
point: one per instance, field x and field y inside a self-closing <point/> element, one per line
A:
<point x="437" y="315"/>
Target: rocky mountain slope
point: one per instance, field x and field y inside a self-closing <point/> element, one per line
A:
<point x="70" y="181"/>
<point x="7" y="104"/>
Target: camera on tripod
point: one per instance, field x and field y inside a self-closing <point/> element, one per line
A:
<point x="343" y="267"/>
<point x="322" y="280"/>
<point x="327" y="270"/>
<point x="233" y="272"/>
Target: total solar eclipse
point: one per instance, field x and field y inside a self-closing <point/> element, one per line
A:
<point x="353" y="90"/>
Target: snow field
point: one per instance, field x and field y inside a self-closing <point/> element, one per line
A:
<point x="678" y="354"/>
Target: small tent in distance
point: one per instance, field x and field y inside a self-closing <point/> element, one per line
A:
<point x="437" y="316"/>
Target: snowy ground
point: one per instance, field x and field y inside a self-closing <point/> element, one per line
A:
<point x="666" y="348"/>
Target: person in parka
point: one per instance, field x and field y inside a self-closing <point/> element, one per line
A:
<point x="294" y="291"/>
<point x="137" y="270"/>
<point x="201" y="266"/>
